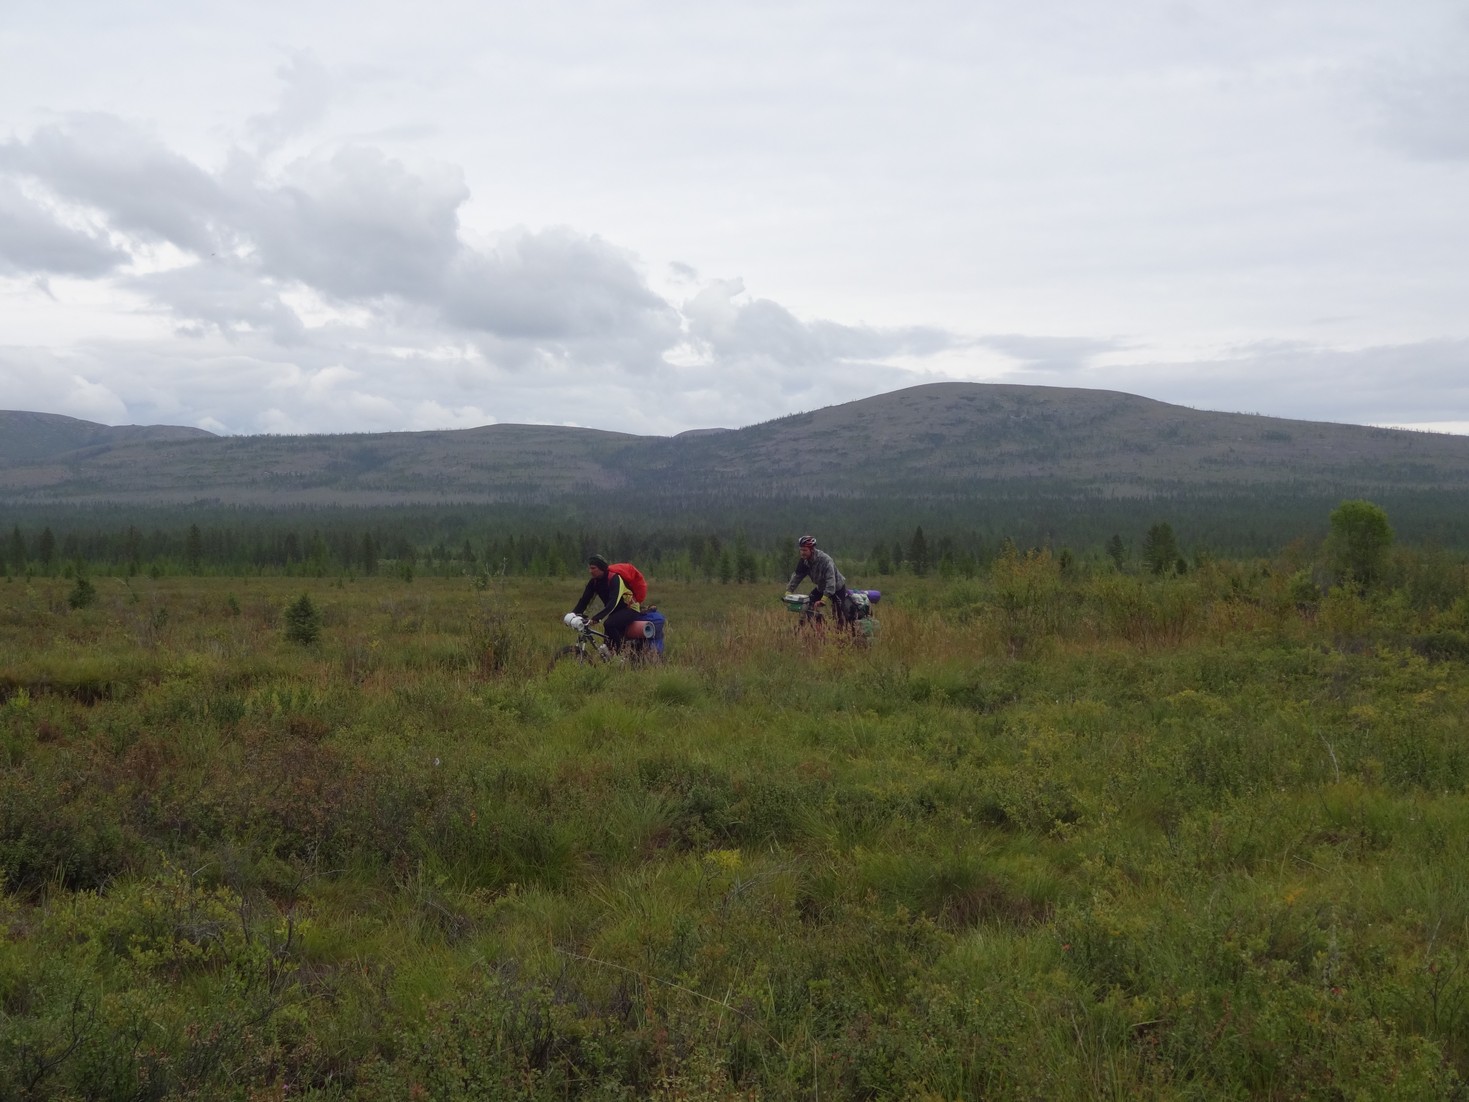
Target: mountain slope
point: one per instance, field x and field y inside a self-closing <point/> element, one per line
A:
<point x="28" y="437"/>
<point x="937" y="441"/>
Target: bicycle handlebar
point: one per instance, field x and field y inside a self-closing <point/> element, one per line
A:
<point x="582" y="625"/>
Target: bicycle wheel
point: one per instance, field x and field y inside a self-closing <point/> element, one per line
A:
<point x="582" y="656"/>
<point x="811" y="621"/>
<point x="643" y="655"/>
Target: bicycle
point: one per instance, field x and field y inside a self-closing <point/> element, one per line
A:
<point x="592" y="647"/>
<point x="859" y="621"/>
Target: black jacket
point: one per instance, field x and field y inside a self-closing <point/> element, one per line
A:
<point x="611" y="589"/>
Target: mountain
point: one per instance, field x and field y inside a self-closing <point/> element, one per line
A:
<point x="35" y="436"/>
<point x="937" y="442"/>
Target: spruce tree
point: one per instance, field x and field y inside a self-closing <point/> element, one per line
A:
<point x="1160" y="549"/>
<point x="918" y="552"/>
<point x="303" y="621"/>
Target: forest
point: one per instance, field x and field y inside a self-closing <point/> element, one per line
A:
<point x="742" y="539"/>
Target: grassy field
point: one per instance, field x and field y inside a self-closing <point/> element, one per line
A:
<point x="1050" y="837"/>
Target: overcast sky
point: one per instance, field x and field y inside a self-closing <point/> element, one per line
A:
<point x="655" y="216"/>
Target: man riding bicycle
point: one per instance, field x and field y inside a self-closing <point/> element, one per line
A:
<point x="818" y="566"/>
<point x="619" y="609"/>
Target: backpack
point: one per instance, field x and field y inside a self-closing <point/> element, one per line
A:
<point x="633" y="578"/>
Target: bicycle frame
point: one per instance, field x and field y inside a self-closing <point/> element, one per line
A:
<point x="591" y="644"/>
<point x="592" y="648"/>
<point x="821" y="618"/>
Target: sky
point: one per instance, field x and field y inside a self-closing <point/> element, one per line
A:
<point x="648" y="217"/>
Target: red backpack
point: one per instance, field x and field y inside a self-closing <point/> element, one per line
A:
<point x="633" y="578"/>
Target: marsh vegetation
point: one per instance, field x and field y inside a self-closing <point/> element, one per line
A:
<point x="1065" y="832"/>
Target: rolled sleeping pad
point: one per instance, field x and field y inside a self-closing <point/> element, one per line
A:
<point x="641" y="629"/>
<point x="874" y="595"/>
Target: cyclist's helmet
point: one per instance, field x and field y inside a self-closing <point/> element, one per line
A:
<point x="806" y="541"/>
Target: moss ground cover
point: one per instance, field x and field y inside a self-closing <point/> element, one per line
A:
<point x="1055" y="835"/>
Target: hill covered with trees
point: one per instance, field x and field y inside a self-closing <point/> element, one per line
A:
<point x="974" y="463"/>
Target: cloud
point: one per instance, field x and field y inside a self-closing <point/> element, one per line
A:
<point x="138" y="186"/>
<point x="33" y="240"/>
<point x="304" y="102"/>
<point x="337" y="292"/>
<point x="1059" y="355"/>
<point x="558" y="286"/>
<point x="1401" y="384"/>
<point x="765" y="338"/>
<point x="1419" y="99"/>
<point x="56" y="384"/>
<point x="223" y="295"/>
<point x="434" y="415"/>
<point x="356" y="224"/>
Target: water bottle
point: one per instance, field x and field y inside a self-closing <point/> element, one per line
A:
<point x="603" y="651"/>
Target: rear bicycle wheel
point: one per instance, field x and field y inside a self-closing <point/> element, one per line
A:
<point x="645" y="655"/>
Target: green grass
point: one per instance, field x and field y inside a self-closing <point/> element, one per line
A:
<point x="1049" y="837"/>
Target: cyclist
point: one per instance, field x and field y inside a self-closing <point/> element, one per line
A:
<point x="618" y="607"/>
<point x="818" y="566"/>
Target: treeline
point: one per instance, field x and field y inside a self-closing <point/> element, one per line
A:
<point x="740" y="541"/>
<point x="288" y="549"/>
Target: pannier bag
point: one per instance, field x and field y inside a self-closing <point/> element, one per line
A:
<point x="654" y="620"/>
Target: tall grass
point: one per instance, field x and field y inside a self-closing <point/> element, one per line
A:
<point x="1053" y="834"/>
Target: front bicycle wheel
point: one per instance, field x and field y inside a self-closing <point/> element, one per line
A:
<point x="811" y="621"/>
<point x="580" y="655"/>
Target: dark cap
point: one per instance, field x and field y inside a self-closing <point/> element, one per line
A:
<point x="597" y="561"/>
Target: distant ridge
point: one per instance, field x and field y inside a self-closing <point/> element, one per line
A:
<point x="935" y="442"/>
<point x="33" y="436"/>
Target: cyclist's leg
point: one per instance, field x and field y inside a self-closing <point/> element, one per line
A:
<point x="616" y="626"/>
<point x="841" y="602"/>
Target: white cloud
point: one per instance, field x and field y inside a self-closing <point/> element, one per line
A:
<point x="433" y="415"/>
<point x="1399" y="384"/>
<point x="126" y="174"/>
<point x="304" y="101"/>
<point x="50" y="384"/>
<point x="1059" y="355"/>
<point x="35" y="239"/>
<point x="353" y="221"/>
<point x="1418" y="98"/>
